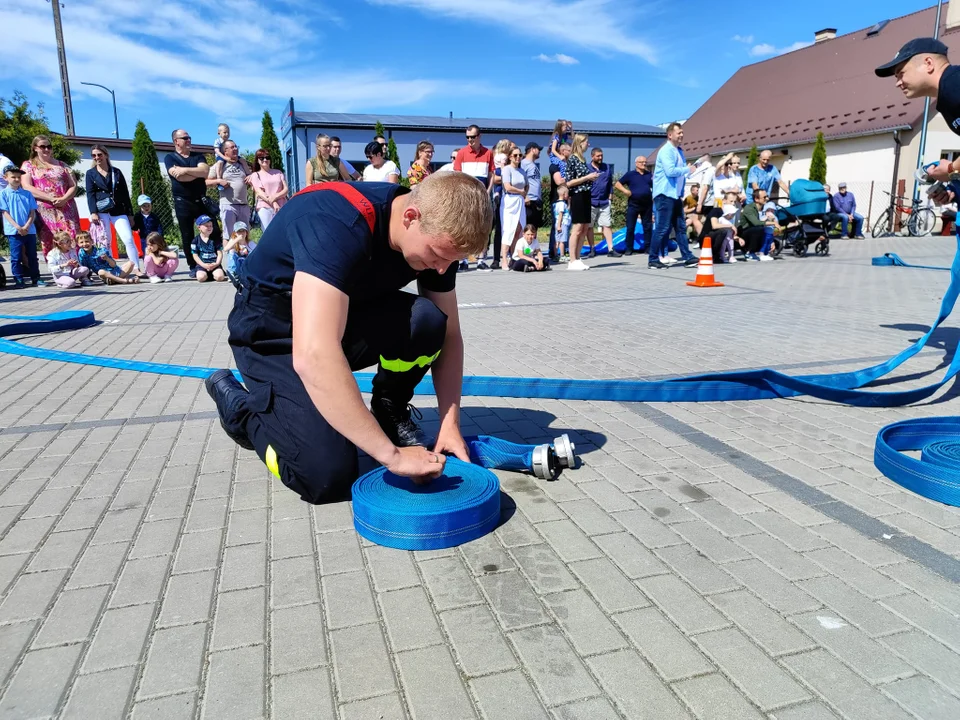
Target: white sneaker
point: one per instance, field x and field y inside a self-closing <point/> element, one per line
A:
<point x="766" y="258"/>
<point x="667" y="260"/>
<point x="577" y="265"/>
<point x="156" y="280"/>
<point x="168" y="278"/>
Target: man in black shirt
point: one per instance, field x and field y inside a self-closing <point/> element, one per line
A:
<point x="188" y="180"/>
<point x="322" y="296"/>
<point x="637" y="185"/>
<point x="922" y="70"/>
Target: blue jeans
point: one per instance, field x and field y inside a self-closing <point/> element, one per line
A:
<point x="668" y="213"/>
<point x="20" y="244"/>
<point x="857" y="224"/>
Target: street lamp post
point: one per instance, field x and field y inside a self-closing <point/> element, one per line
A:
<point x="116" y="124"/>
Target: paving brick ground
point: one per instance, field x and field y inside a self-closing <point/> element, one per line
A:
<point x="718" y="560"/>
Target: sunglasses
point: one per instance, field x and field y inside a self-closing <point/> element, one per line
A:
<point x="185" y="137"/>
<point x="472" y="137"/>
<point x="97" y="155"/>
<point x="44" y="147"/>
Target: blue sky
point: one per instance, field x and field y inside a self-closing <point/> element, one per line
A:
<point x="194" y="63"/>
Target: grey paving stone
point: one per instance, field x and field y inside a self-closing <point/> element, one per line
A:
<point x="690" y="564"/>
<point x="60" y="550"/>
<point x="141" y="581"/>
<point x="306" y="695"/>
<point x="567" y="540"/>
<point x="121" y="638"/>
<point x="236" y="684"/>
<point x="848" y="539"/>
<point x="31" y="595"/>
<point x="512" y="600"/>
<point x="291" y="538"/>
<point x="243" y="567"/>
<point x="590" y="517"/>
<point x="507" y="696"/>
<point x="684" y="606"/>
<point x="585" y="624"/>
<point x="156" y="538"/>
<point x="133" y="494"/>
<point x="710" y="542"/>
<point x="13" y="641"/>
<point x="476" y="639"/>
<point x="103" y="695"/>
<point x="785" y="561"/>
<point x="764" y="626"/>
<point x="546" y="572"/>
<point x="72" y="617"/>
<point x="841" y="687"/>
<point x="647" y="528"/>
<point x="854" y="607"/>
<point x="118" y="525"/>
<point x="806" y="711"/>
<point x="594" y="709"/>
<point x="928" y="617"/>
<point x="175" y="661"/>
<point x="926" y="654"/>
<point x="361" y="667"/>
<point x="83" y="514"/>
<point x="485" y="555"/>
<point x="924" y="698"/>
<point x="925" y="583"/>
<point x="240" y="619"/>
<point x="634" y="688"/>
<point x="348" y="598"/>
<point x="433" y="686"/>
<point x="40" y="682"/>
<point x="339" y="551"/>
<point x="187" y="598"/>
<point x="297" y="639"/>
<point x="391" y="569"/>
<point x="608" y="496"/>
<point x="387" y="707"/>
<point x="713" y="696"/>
<point x="853" y="646"/>
<point x="331" y="517"/>
<point x="855" y="572"/>
<point x="199" y="551"/>
<point x="99" y="565"/>
<point x="26" y="535"/>
<point x="518" y="531"/>
<point x="449" y="583"/>
<point x="556" y="670"/>
<point x="663" y="644"/>
<point x="169" y="505"/>
<point x="611" y="589"/>
<point x="721" y="517"/>
<point x="630" y="555"/>
<point x="782" y="595"/>
<point x="796" y="537"/>
<point x="294" y="582"/>
<point x="755" y="674"/>
<point x="409" y="619"/>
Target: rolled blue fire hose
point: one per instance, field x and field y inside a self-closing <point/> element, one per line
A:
<point x="764" y="384"/>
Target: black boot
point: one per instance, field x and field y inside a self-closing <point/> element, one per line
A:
<point x="231" y="398"/>
<point x="396" y="423"/>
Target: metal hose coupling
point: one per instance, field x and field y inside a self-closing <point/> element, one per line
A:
<point x="549" y="460"/>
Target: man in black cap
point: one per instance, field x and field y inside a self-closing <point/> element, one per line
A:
<point x="531" y="168"/>
<point x="922" y="70"/>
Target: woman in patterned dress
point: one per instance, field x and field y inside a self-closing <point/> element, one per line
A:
<point x="52" y="185"/>
<point x="421" y="166"/>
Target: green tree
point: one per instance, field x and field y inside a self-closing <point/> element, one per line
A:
<point x="752" y="158"/>
<point x="378" y="130"/>
<point x="818" y="162"/>
<point x="19" y="124"/>
<point x="270" y="142"/>
<point x="147" y="178"/>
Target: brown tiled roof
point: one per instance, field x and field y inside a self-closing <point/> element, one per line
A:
<point x="159" y="145"/>
<point x="829" y="87"/>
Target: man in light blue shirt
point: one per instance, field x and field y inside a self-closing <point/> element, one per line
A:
<point x="669" y="178"/>
<point x="763" y="175"/>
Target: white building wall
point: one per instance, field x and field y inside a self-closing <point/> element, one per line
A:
<point x="852" y="160"/>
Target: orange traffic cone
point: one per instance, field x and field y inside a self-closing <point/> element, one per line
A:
<point x="705" y="268"/>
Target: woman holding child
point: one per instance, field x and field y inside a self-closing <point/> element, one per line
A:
<point x="108" y="200"/>
<point x="52" y="185"/>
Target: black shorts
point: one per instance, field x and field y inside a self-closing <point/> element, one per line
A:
<point x="580" y="208"/>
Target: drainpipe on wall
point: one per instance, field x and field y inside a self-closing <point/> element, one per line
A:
<point x="897" y="144"/>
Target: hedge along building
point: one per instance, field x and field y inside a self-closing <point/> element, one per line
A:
<point x="872" y="131"/>
<point x="621" y="142"/>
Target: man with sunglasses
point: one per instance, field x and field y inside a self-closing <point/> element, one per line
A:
<point x="477" y="161"/>
<point x="188" y="173"/>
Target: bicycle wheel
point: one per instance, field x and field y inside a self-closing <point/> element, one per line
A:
<point x="921" y="222"/>
<point x="882" y="225"/>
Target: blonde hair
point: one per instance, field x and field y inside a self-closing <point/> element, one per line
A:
<point x="503" y="146"/>
<point x="579" y="145"/>
<point x="456" y="205"/>
<point x="62" y="236"/>
<point x="83" y="235"/>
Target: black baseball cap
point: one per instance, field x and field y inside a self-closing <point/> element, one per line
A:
<point x="531" y="146"/>
<point x="917" y="46"/>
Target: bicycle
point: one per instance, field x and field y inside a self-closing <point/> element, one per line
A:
<point x="920" y="219"/>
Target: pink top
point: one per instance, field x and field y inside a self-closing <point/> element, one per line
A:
<point x="268" y="183"/>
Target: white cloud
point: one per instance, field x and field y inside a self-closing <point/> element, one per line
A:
<point x="227" y="56"/>
<point x="593" y="25"/>
<point x="764" y="49"/>
<point x="745" y="39"/>
<point x="557" y="58"/>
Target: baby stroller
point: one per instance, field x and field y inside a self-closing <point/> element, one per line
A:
<point x="804" y="220"/>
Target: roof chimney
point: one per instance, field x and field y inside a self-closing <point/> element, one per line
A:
<point x="827" y="34"/>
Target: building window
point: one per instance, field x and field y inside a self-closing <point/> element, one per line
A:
<point x="949" y="154"/>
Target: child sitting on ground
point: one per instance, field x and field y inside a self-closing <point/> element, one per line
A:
<point x="236" y="250"/>
<point x="561" y="215"/>
<point x="527" y="256"/>
<point x="206" y="254"/>
<point x="101" y="263"/>
<point x="159" y="259"/>
<point x="65" y="265"/>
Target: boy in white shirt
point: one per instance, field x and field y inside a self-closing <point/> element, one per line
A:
<point x="527" y="255"/>
<point x="561" y="216"/>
